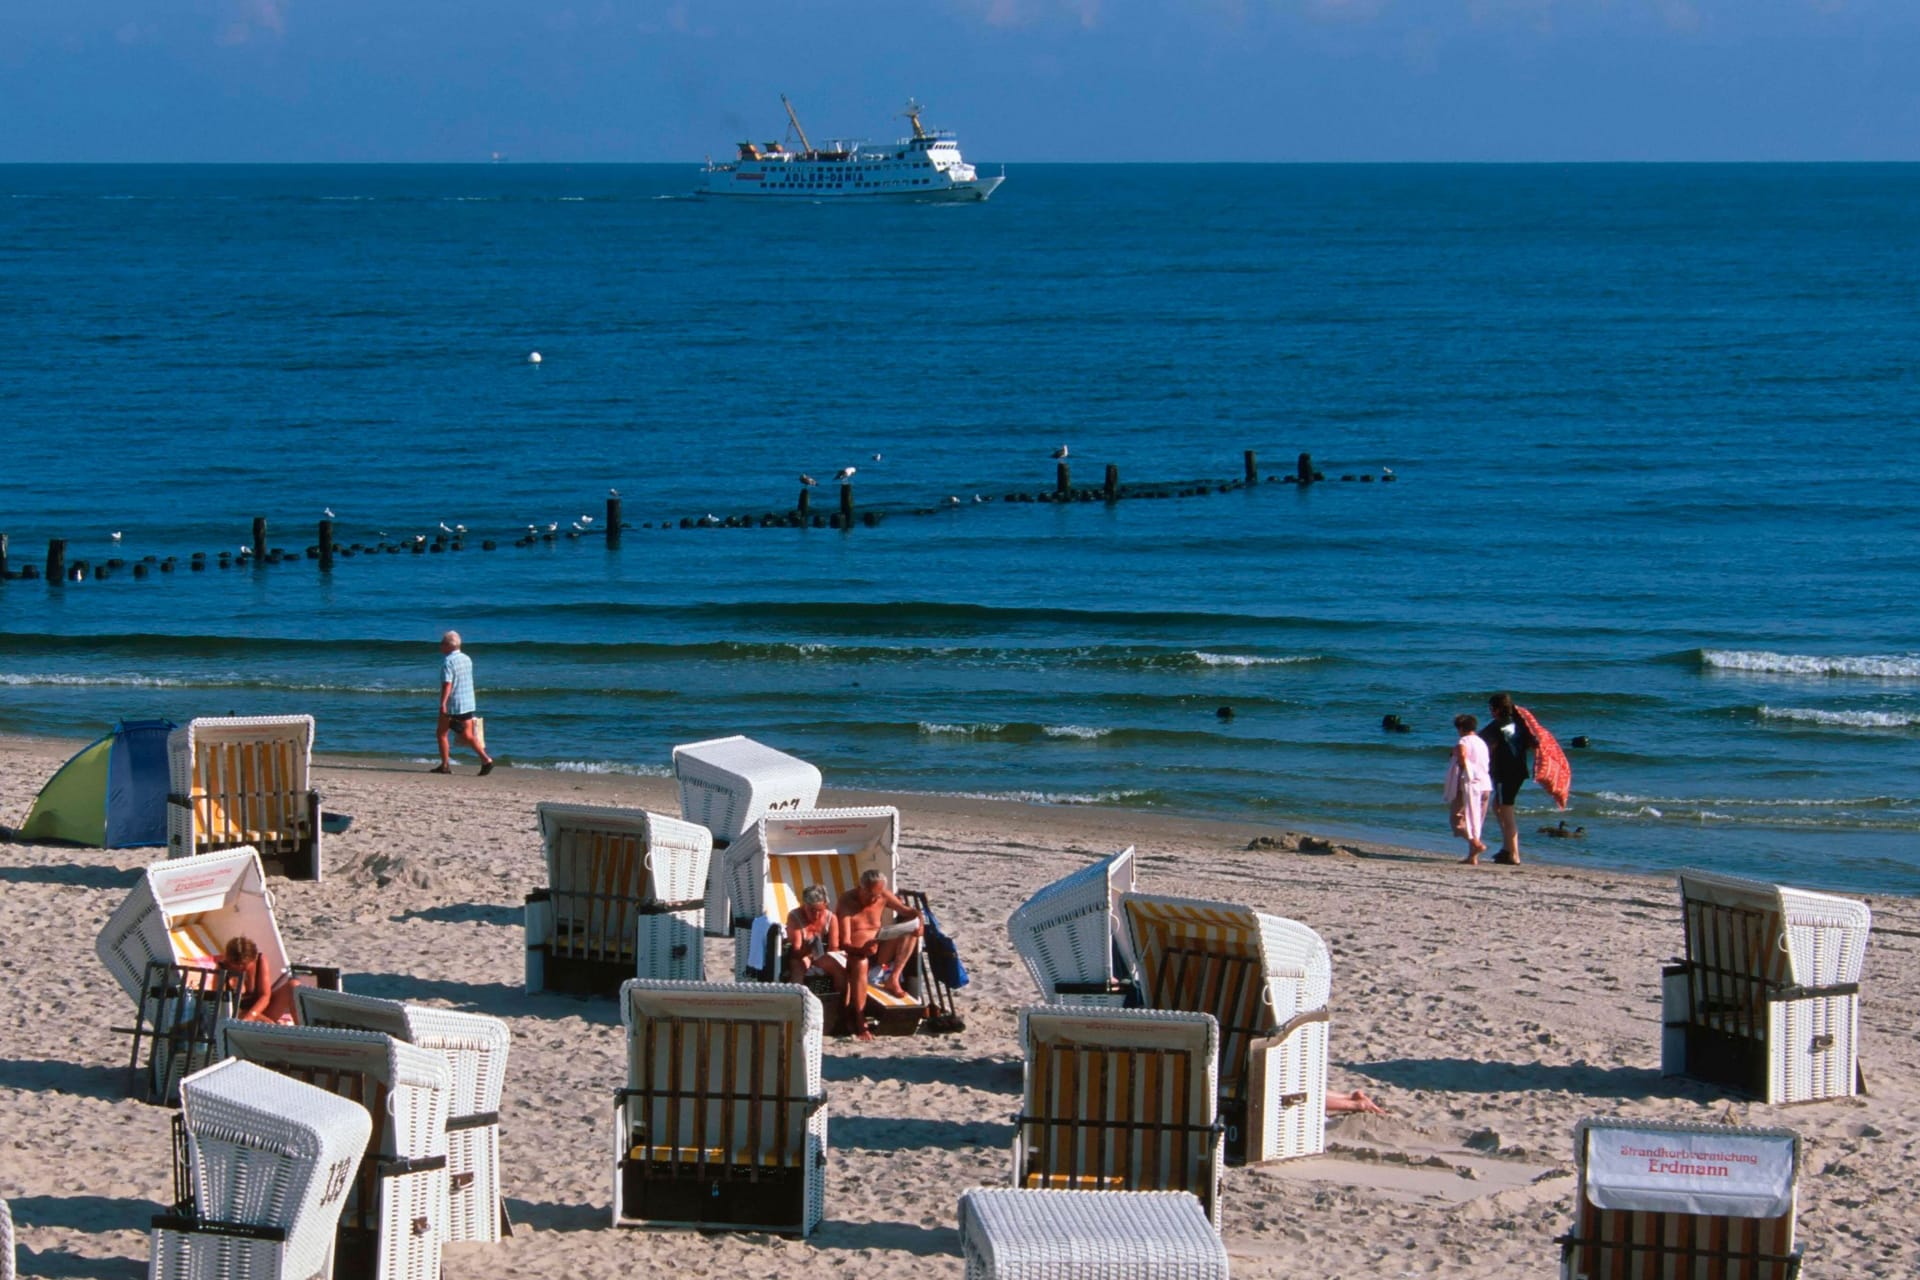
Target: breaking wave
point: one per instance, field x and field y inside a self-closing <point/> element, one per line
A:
<point x="1842" y="719"/>
<point x="1891" y="666"/>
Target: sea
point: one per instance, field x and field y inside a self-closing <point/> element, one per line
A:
<point x="1651" y="430"/>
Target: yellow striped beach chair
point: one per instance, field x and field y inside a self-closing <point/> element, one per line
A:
<point x="1682" y="1202"/>
<point x="1266" y="981"/>
<point x="1119" y="1100"/>
<point x="781" y="855"/>
<point x="245" y="780"/>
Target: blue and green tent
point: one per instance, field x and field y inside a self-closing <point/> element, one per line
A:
<point x="113" y="795"/>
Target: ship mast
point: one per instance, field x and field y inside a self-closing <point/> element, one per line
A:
<point x="912" y="113"/>
<point x="807" y="146"/>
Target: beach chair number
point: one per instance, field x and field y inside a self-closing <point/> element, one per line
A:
<point x="780" y="806"/>
<point x="338" y="1176"/>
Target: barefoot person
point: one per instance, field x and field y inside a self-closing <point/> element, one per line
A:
<point x="813" y="939"/>
<point x="1357" y="1101"/>
<point x="1508" y="742"/>
<point x="1468" y="786"/>
<point x="457" y="706"/>
<point x="871" y="958"/>
<point x="260" y="999"/>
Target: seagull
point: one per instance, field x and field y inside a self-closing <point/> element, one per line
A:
<point x="460" y="529"/>
<point x="1386" y="471"/>
<point x="443" y="527"/>
<point x="978" y="498"/>
<point x="115" y="535"/>
<point x="952" y="500"/>
<point x="808" y="480"/>
<point x="578" y="527"/>
<point x="246" y="550"/>
<point x="553" y="526"/>
<point x="1060" y="454"/>
<point x="613" y="493"/>
<point x="328" y="513"/>
<point x="586" y="519"/>
<point x="379" y="533"/>
<point x="845" y="474"/>
<point x="876" y="457"/>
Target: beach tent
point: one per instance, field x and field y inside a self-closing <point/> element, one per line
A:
<point x="113" y="795"/>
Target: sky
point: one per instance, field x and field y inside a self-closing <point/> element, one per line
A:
<point x="1019" y="80"/>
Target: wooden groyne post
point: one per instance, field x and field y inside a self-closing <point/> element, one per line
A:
<point x="806" y="501"/>
<point x="56" y="559"/>
<point x="326" y="546"/>
<point x="1253" y="467"/>
<point x="846" y="504"/>
<point x="1062" y="478"/>
<point x="613" y="522"/>
<point x="259" y="543"/>
<point x="1303" y="470"/>
<point x="1113" y="482"/>
<point x="3" y="557"/>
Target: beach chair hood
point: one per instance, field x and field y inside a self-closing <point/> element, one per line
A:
<point x="840" y="844"/>
<point x="1068" y="932"/>
<point x="223" y="893"/>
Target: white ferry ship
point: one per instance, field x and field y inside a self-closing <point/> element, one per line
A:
<point x="926" y="166"/>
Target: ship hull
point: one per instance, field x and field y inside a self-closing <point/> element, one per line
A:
<point x="961" y="193"/>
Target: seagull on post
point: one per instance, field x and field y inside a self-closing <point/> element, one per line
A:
<point x="808" y="480"/>
<point x="845" y="474"/>
<point x="327" y="512"/>
<point x="1060" y="454"/>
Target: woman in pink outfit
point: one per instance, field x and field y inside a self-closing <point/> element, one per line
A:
<point x="1469" y="784"/>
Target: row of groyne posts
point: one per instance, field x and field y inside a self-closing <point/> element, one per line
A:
<point x="325" y="549"/>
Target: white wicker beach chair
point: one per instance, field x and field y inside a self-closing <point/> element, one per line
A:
<point x="1682" y="1202"/>
<point x="391" y="1228"/>
<point x="6" y="1241"/>
<point x="162" y="946"/>
<point x="244" y="780"/>
<point x="1266" y="981"/>
<point x="475" y="1047"/>
<point x="781" y="855"/>
<point x="1119" y="1100"/>
<point x="1010" y="1234"/>
<point x="723" y="1122"/>
<point x="727" y="785"/>
<point x="1767" y="1000"/>
<point x="1073" y="937"/>
<point x="262" y="1165"/>
<point x="623" y="900"/>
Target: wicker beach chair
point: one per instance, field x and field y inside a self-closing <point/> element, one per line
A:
<point x="1011" y="1234"/>
<point x="261" y="1168"/>
<point x="727" y="785"/>
<point x="774" y="863"/>
<point x="1266" y="981"/>
<point x="1073" y="938"/>
<point x="6" y="1241"/>
<point x="1119" y="1100"/>
<point x="623" y="900"/>
<point x="722" y="1124"/>
<point x="391" y="1227"/>
<point x="244" y="780"/>
<point x="475" y="1047"/>
<point x="162" y="946"/>
<point x="1767" y="999"/>
<point x="1682" y="1202"/>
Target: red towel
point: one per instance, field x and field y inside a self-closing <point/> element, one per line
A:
<point x="1550" y="767"/>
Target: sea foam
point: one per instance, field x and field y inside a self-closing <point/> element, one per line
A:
<point x="1842" y="719"/>
<point x="1893" y="666"/>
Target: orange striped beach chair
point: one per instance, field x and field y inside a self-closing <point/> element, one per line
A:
<point x="245" y="780"/>
<point x="625" y="898"/>
<point x="1767" y="998"/>
<point x="1266" y="981"/>
<point x="1119" y="1100"/>
<point x="779" y="857"/>
<point x="1682" y="1202"/>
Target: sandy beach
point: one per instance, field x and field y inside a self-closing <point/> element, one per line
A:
<point x="1489" y="1008"/>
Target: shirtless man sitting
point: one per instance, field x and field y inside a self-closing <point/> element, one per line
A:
<point x="862" y="912"/>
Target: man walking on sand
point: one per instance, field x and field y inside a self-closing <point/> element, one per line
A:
<point x="457" y="706"/>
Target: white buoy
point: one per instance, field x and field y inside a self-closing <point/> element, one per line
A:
<point x="533" y="357"/>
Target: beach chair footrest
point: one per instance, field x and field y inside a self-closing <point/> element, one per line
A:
<point x="724" y="1197"/>
<point x="571" y="975"/>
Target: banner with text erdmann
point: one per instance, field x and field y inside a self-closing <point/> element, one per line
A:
<point x="1742" y="1175"/>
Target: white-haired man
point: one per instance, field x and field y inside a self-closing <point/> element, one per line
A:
<point x="457" y="706"/>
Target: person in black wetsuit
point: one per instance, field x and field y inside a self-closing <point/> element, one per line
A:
<point x="1508" y="743"/>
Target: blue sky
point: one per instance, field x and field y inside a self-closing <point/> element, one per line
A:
<point x="1021" y="80"/>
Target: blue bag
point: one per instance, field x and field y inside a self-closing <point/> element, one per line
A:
<point x="942" y="956"/>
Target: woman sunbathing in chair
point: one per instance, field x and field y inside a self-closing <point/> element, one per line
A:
<point x="813" y="941"/>
<point x="261" y="1000"/>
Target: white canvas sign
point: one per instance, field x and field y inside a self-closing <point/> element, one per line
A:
<point x="1742" y="1175"/>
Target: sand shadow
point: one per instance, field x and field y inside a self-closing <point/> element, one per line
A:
<point x="73" y="875"/>
<point x="495" y="998"/>
<point x="1468" y="1075"/>
<point x="507" y="917"/>
<point x="542" y="1216"/>
<point x="74" y="1266"/>
<point x="906" y="1237"/>
<point x="916" y="1133"/>
<point x="78" y="1079"/>
<point x="84" y="1213"/>
<point x="995" y="1075"/>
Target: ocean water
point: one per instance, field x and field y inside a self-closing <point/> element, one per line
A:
<point x="1653" y="430"/>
